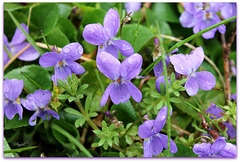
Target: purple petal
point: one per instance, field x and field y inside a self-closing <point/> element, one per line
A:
<point x="221" y="28"/>
<point x="12" y="88"/>
<point x="231" y="130"/>
<point x="53" y="113"/>
<point x="160" y="120"/>
<point x="228" y="10"/>
<point x="196" y="58"/>
<point x="160" y="80"/>
<point x="205" y="79"/>
<point x="147" y="148"/>
<point x="18" y="36"/>
<point x="5" y="55"/>
<point x="218" y="145"/>
<point x="164" y="141"/>
<point x="192" y="7"/>
<point x="61" y="72"/>
<point x="234" y="96"/>
<point x="11" y="109"/>
<point x="229" y="150"/>
<point x="72" y="51"/>
<point x="187" y="20"/>
<point x="215" y="6"/>
<point x="215" y="111"/>
<point x="181" y="64"/>
<point x="29" y="54"/>
<point x="42" y="98"/>
<point x="49" y="59"/>
<point x="205" y="24"/>
<point x="111" y="23"/>
<point x="132" y="6"/>
<point x="203" y="149"/>
<point x="108" y="65"/>
<point x="124" y="47"/>
<point x="106" y="95"/>
<point x="76" y="68"/>
<point x="134" y="91"/>
<point x="29" y="103"/>
<point x="157" y="146"/>
<point x="192" y="86"/>
<point x="95" y="34"/>
<point x="119" y="93"/>
<point x="111" y="49"/>
<point x="131" y="66"/>
<point x="42" y="114"/>
<point x="32" y="120"/>
<point x="145" y="129"/>
<point x="158" y="69"/>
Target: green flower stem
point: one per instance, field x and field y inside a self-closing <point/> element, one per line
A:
<point x="72" y="139"/>
<point x="20" y="150"/>
<point x="90" y="122"/>
<point x="8" y="53"/>
<point x="167" y="90"/>
<point x="85" y="115"/>
<point x="177" y="45"/>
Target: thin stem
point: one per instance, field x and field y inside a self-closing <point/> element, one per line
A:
<point x="167" y="91"/>
<point x="16" y="56"/>
<point x="73" y="139"/>
<point x="8" y="53"/>
<point x="29" y="14"/>
<point x="90" y="122"/>
<point x="43" y="45"/>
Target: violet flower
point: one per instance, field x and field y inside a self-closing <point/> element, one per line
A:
<point x="11" y="91"/>
<point x="229" y="10"/>
<point x="208" y="17"/>
<point x="121" y="88"/>
<point x="133" y="6"/>
<point x="218" y="113"/>
<point x="64" y="62"/>
<point x="38" y="102"/>
<point x="187" y="65"/>
<point x="17" y="44"/>
<point x="154" y="142"/>
<point x="102" y="36"/>
<point x="220" y="148"/>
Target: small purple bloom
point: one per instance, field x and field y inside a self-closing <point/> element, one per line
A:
<point x="11" y="91"/>
<point x="107" y="114"/>
<point x="17" y="44"/>
<point x="103" y="36"/>
<point x="218" y="113"/>
<point x="208" y="17"/>
<point x="64" y="62"/>
<point x="187" y="65"/>
<point x="154" y="142"/>
<point x="201" y="16"/>
<point x="132" y="6"/>
<point x="38" y="102"/>
<point x="220" y="148"/>
<point x="121" y="88"/>
<point x="229" y="10"/>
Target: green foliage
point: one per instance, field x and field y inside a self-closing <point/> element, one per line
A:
<point x="125" y="112"/>
<point x="166" y="11"/>
<point x="67" y="127"/>
<point x="183" y="151"/>
<point x="44" y="17"/>
<point x="7" y="148"/>
<point x="33" y="71"/>
<point x="109" y="136"/>
<point x="57" y="37"/>
<point x="143" y="35"/>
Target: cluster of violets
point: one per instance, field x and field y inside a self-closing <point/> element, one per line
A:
<point x="37" y="102"/>
<point x="201" y="15"/>
<point x="121" y="73"/>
